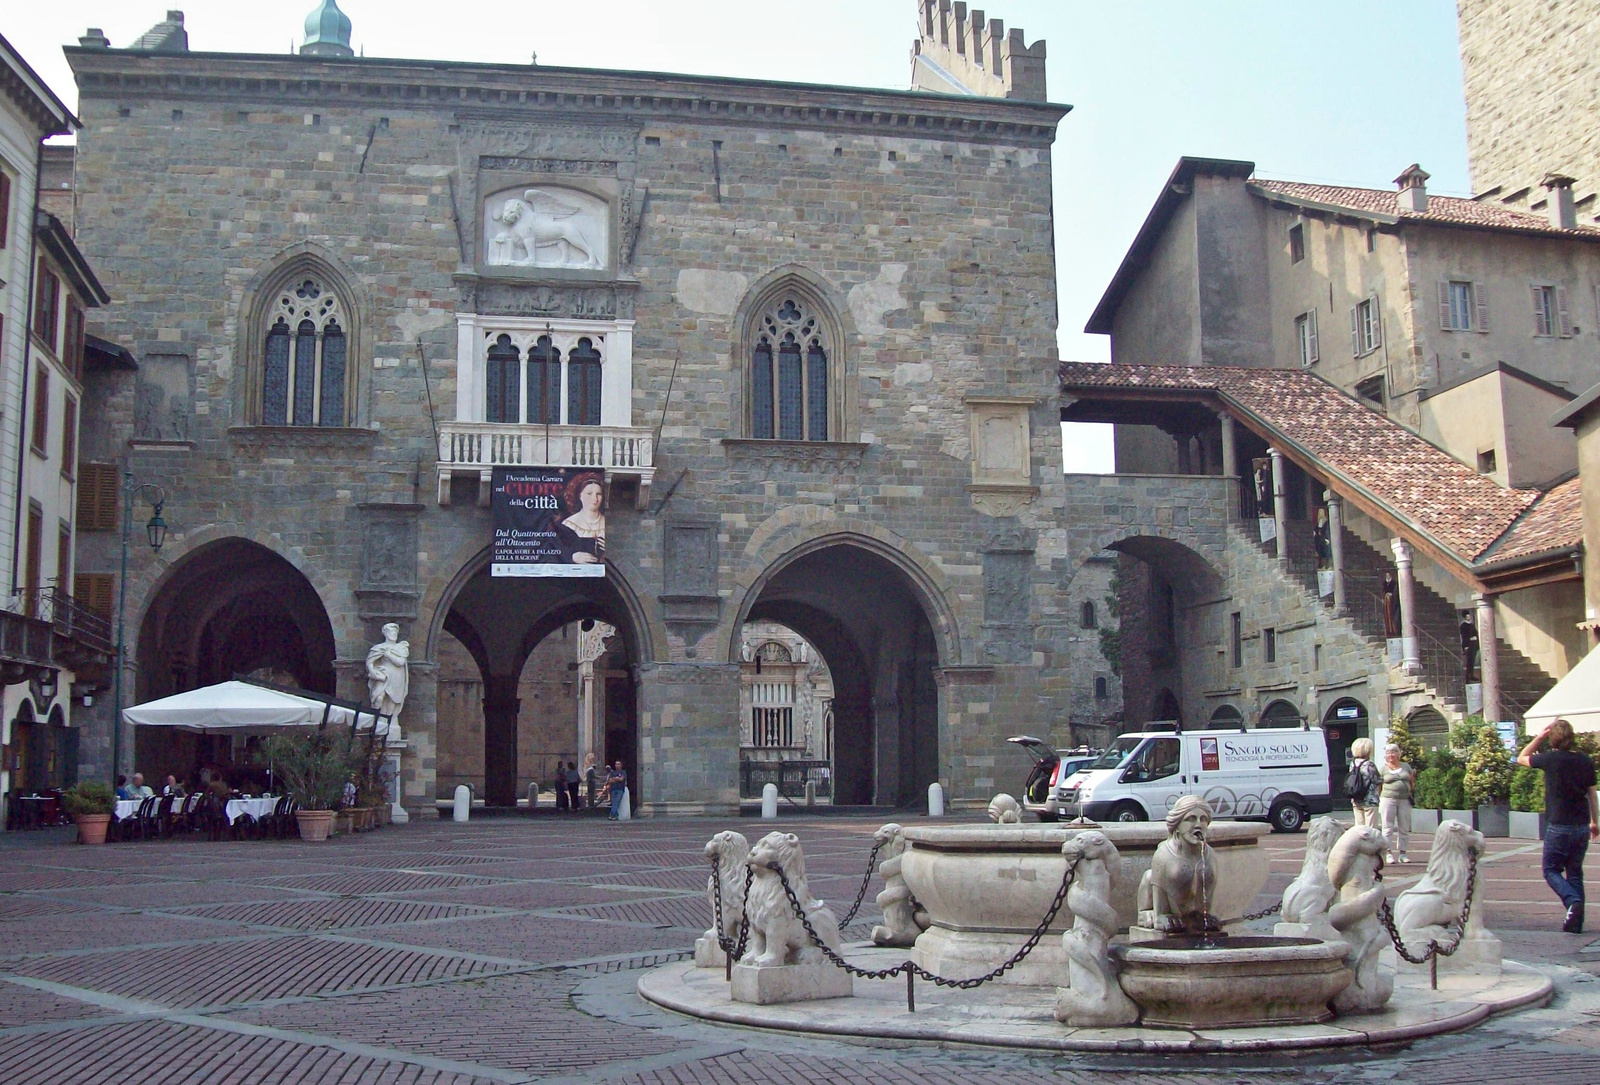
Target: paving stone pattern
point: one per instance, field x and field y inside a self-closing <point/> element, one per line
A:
<point x="508" y="950"/>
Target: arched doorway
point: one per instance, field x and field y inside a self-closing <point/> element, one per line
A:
<point x="870" y="621"/>
<point x="535" y="671"/>
<point x="1343" y="723"/>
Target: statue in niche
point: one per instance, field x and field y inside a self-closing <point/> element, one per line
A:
<point x="542" y="229"/>
<point x="1391" y="607"/>
<point x="1094" y="998"/>
<point x="389" y="676"/>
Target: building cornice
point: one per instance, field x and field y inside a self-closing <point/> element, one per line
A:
<point x="537" y="91"/>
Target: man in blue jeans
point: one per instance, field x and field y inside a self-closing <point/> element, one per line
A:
<point x="1572" y="814"/>
<point x="616" y="786"/>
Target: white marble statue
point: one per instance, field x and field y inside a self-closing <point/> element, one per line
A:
<point x="776" y="936"/>
<point x="1175" y="893"/>
<point x="902" y="919"/>
<point x="1430" y="910"/>
<point x="1353" y="867"/>
<point x="730" y="850"/>
<point x="389" y="676"/>
<point x="547" y="228"/>
<point x="1005" y="810"/>
<point x="1093" y="998"/>
<point x="1306" y="900"/>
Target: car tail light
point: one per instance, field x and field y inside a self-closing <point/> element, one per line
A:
<point x="1055" y="775"/>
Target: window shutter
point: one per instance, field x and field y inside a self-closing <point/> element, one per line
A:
<point x="97" y="496"/>
<point x="1480" y="299"/>
<point x="1312" y="352"/>
<point x="1444" y="306"/>
<point x="5" y="208"/>
<point x="1563" y="312"/>
<point x="1538" y="311"/>
<point x="1355" y="330"/>
<point x="1377" y="323"/>
<point x="93" y="591"/>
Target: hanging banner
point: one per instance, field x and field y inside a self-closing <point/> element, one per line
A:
<point x="548" y="521"/>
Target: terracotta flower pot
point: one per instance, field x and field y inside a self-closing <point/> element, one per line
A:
<point x="314" y="824"/>
<point x="92" y="828"/>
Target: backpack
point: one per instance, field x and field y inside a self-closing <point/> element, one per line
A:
<point x="1356" y="782"/>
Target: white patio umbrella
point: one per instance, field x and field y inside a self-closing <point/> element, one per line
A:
<point x="239" y="708"/>
<point x="1576" y="699"/>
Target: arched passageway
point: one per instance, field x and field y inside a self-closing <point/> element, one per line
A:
<point x="867" y="618"/>
<point x="550" y="685"/>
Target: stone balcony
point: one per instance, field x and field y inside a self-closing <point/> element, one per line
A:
<point x="477" y="448"/>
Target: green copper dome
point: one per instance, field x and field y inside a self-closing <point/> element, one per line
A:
<point x="327" y="32"/>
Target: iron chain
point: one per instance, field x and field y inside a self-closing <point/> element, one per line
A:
<point x="1386" y="917"/>
<point x="1274" y="910"/>
<point x="734" y="950"/>
<point x="866" y="879"/>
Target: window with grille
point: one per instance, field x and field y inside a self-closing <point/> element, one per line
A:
<point x="305" y="370"/>
<point x="789" y="375"/>
<point x="772" y="727"/>
<point x="97" y="496"/>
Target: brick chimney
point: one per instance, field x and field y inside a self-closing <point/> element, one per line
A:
<point x="1413" y="194"/>
<point x="1563" y="215"/>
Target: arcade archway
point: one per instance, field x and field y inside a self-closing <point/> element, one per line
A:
<point x="530" y="678"/>
<point x="867" y="617"/>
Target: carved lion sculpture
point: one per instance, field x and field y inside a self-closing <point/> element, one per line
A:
<point x="730" y="850"/>
<point x="1175" y="893"/>
<point x="776" y="936"/>
<point x="540" y="220"/>
<point x="1353" y="868"/>
<point x="902" y="919"/>
<point x="1426" y="911"/>
<point x="1005" y="810"/>
<point x="1308" y="896"/>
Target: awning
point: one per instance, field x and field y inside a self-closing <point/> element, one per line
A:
<point x="1576" y="699"/>
<point x="241" y="708"/>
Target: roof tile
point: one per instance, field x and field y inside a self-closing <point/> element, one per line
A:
<point x="1446" y="210"/>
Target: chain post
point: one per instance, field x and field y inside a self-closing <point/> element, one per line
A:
<point x="1433" y="964"/>
<point x="911" y="991"/>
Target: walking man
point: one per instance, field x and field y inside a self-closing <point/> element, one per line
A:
<point x="1572" y="814"/>
<point x="616" y="787"/>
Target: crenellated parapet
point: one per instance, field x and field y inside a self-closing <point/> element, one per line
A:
<point x="960" y="52"/>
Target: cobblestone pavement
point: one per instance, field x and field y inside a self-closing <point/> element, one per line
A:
<point x="507" y="950"/>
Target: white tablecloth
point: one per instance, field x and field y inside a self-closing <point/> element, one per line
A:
<point x="256" y="808"/>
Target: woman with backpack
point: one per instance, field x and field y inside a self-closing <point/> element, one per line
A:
<point x="1394" y="803"/>
<point x="1363" y="783"/>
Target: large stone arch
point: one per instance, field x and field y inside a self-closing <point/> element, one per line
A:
<point x="1211" y="550"/>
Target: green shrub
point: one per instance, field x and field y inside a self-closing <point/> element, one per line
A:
<point x="1464" y="735"/>
<point x="1425" y="790"/>
<point x="1440" y="786"/>
<point x="1411" y="751"/>
<point x="1527" y="790"/>
<point x="313" y="764"/>
<point x="1487" y="779"/>
<point x="89" y="797"/>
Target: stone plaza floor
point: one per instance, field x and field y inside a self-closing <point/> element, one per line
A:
<point x="508" y="950"/>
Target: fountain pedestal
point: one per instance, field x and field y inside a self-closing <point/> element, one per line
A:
<point x="1251" y="982"/>
<point x="768" y="984"/>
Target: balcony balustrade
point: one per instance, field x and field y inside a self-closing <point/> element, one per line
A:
<point x="477" y="448"/>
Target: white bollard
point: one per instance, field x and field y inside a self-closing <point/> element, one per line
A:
<point x="769" y="802"/>
<point x="533" y="796"/>
<point x="935" y="800"/>
<point x="463" y="804"/>
<point x="811" y="793"/>
<point x="625" y="807"/>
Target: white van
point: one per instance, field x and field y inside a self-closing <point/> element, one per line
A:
<point x="1280" y="776"/>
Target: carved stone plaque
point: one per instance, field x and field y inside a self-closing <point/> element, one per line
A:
<point x="163" y="399"/>
<point x="689" y="553"/>
<point x="388" y="561"/>
<point x="1008" y="597"/>
<point x="546" y="227"/>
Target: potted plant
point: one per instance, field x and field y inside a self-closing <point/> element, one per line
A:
<point x="1487" y="783"/>
<point x="313" y="766"/>
<point x="1527" y="804"/>
<point x="90" y="803"/>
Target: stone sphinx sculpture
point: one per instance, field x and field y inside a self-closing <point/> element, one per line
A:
<point x="1005" y="810"/>
<point x="729" y="850"/>
<point x="902" y="919"/>
<point x="781" y="963"/>
<point x="1430" y="910"/>
<point x="1353" y="867"/>
<point x="1175" y="893"/>
<point x="1093" y="998"/>
<point x="1306" y="900"/>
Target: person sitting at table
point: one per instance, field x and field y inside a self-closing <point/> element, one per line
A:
<point x="122" y="787"/>
<point x="140" y="790"/>
<point x="219" y="785"/>
<point x="173" y="788"/>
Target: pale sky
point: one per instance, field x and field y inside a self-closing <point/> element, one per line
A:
<point x="1337" y="91"/>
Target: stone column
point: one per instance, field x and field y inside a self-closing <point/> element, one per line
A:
<point x="1336" y="546"/>
<point x="500" y="709"/>
<point x="1488" y="657"/>
<point x="591" y="646"/>
<point x="1280" y="506"/>
<point x="1411" y="659"/>
<point x="1230" y="463"/>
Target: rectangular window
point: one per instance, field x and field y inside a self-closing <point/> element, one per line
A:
<point x="1488" y="462"/>
<point x="33" y="570"/>
<point x="1305" y="334"/>
<point x="1366" y="326"/>
<point x="1455" y="306"/>
<point x="41" y="410"/>
<point x="1544" y="310"/>
<point x="5" y="208"/>
<point x="93" y="590"/>
<point x="69" y="436"/>
<point x="1297" y="243"/>
<point x="47" y="306"/>
<point x="1372" y="391"/>
<point x="63" y="557"/>
<point x="97" y="496"/>
<point x="1269" y="645"/>
<point x="72" y="347"/>
<point x="1372" y="240"/>
<point x="1236" y="635"/>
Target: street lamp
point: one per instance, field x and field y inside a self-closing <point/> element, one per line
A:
<point x="156" y="532"/>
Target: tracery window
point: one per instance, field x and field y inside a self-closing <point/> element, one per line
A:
<point x="305" y="363"/>
<point x="530" y="376"/>
<point x="789" y="374"/>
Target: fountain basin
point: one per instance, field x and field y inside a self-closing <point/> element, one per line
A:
<point x="985" y="888"/>
<point x="1238" y="982"/>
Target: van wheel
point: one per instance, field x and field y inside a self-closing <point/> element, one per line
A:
<point x="1126" y="812"/>
<point x="1288" y="817"/>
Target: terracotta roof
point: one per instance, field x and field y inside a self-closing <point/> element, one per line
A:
<point x="1445" y="210"/>
<point x="1555" y="523"/>
<point x="1459" y="509"/>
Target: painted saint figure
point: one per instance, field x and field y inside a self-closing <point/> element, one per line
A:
<point x="582" y="535"/>
<point x="388" y="675"/>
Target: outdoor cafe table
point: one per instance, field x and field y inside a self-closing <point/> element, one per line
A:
<point x="256" y="808"/>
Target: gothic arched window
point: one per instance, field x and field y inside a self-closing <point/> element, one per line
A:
<point x="583" y="384"/>
<point x="544" y="383"/>
<point x="504" y="381"/>
<point x="789" y="374"/>
<point x="305" y="378"/>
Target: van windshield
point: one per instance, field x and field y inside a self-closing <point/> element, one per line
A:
<point x="1116" y="754"/>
